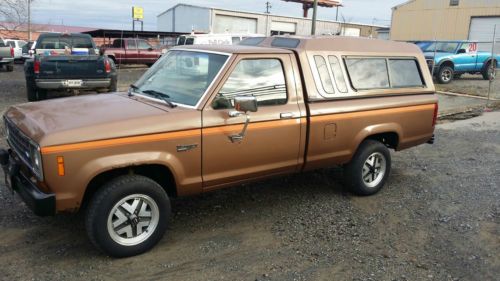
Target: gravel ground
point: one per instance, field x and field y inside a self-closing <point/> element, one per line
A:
<point x="438" y="218"/>
<point x="472" y="85"/>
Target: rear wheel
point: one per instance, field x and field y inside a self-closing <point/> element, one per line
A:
<point x="128" y="216"/>
<point x="369" y="168"/>
<point x="9" y="67"/>
<point x="489" y="71"/>
<point x="33" y="93"/>
<point x="445" y="74"/>
<point x="113" y="86"/>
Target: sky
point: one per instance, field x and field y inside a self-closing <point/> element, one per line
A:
<point x="116" y="14"/>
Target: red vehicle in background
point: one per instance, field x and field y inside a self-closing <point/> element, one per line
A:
<point x="132" y="51"/>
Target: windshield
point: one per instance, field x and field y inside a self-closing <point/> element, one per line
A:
<point x="182" y="76"/>
<point x="442" y="47"/>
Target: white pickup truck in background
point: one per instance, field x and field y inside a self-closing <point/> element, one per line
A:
<point x="6" y="56"/>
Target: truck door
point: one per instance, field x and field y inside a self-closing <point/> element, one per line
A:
<point x="131" y="52"/>
<point x="272" y="141"/>
<point x="146" y="54"/>
<point x="466" y="59"/>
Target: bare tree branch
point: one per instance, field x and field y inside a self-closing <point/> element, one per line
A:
<point x="13" y="14"/>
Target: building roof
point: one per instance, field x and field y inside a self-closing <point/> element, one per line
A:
<point x="403" y="4"/>
<point x="58" y="28"/>
<point x="264" y="14"/>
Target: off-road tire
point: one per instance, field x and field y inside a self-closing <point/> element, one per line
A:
<point x="354" y="170"/>
<point x="103" y="203"/>
<point x="487" y="71"/>
<point x="445" y="74"/>
<point x="9" y="67"/>
<point x="33" y="93"/>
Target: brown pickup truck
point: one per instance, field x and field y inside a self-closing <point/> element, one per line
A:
<point x="132" y="51"/>
<point x="207" y="117"/>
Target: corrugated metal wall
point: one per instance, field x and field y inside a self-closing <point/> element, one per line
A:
<point x="436" y="19"/>
<point x="182" y="18"/>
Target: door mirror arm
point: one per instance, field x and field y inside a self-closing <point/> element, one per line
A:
<point x="243" y="105"/>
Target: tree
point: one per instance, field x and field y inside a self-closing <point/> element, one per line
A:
<point x="13" y="15"/>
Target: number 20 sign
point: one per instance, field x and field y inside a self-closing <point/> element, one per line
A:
<point x="472" y="48"/>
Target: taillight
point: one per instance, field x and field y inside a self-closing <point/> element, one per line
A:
<point x="434" y="118"/>
<point x="107" y="66"/>
<point x="36" y="67"/>
<point x="11" y="52"/>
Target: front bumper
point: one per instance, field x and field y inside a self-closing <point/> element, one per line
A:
<point x="63" y="83"/>
<point x="42" y="204"/>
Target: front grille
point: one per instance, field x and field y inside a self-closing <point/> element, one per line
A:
<point x="20" y="144"/>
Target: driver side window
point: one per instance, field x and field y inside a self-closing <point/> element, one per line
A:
<point x="262" y="78"/>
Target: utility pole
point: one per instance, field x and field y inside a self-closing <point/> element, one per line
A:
<point x="268" y="7"/>
<point x="337" y="15"/>
<point x="315" y="11"/>
<point x="29" y="20"/>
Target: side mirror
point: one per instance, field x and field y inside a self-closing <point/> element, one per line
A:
<point x="150" y="49"/>
<point x="462" y="51"/>
<point x="242" y="105"/>
<point x="245" y="104"/>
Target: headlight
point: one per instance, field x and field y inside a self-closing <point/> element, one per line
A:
<point x="36" y="160"/>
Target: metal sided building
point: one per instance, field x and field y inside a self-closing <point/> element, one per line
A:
<point x="187" y="18"/>
<point x="445" y="20"/>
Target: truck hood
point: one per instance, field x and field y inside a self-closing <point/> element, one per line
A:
<point x="98" y="117"/>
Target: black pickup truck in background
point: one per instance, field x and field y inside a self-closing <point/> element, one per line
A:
<point x="68" y="62"/>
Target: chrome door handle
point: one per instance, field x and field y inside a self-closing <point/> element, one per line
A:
<point x="287" y="115"/>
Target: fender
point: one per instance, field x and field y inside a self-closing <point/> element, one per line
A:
<point x="441" y="62"/>
<point x="375" y="130"/>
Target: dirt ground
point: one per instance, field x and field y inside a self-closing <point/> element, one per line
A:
<point x="438" y="218"/>
<point x="472" y="85"/>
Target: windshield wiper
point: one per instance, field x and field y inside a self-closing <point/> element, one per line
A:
<point x="133" y="88"/>
<point x="162" y="96"/>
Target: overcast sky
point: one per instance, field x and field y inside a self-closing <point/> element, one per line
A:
<point x="117" y="13"/>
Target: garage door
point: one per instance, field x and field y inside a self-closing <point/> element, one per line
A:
<point x="481" y="29"/>
<point x="285" y="27"/>
<point x="233" y="24"/>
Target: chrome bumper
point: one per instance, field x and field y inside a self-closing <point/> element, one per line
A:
<point x="62" y="83"/>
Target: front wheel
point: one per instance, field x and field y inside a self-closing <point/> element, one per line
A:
<point x="128" y="216"/>
<point x="445" y="74"/>
<point x="369" y="168"/>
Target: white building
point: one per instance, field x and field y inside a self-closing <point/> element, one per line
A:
<point x="187" y="18"/>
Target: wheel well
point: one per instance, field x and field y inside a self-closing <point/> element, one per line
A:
<point x="159" y="173"/>
<point x="112" y="57"/>
<point x="391" y="140"/>
<point x="447" y="63"/>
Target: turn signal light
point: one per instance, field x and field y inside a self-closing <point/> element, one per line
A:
<point x="60" y="165"/>
<point x="36" y="67"/>
<point x="11" y="52"/>
<point x="107" y="66"/>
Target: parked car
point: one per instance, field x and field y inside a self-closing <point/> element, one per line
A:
<point x="17" y="45"/>
<point x="454" y="58"/>
<point x="28" y="50"/>
<point x="249" y="113"/>
<point x="133" y="51"/>
<point x="68" y="62"/>
<point x="213" y="39"/>
<point x="6" y="56"/>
